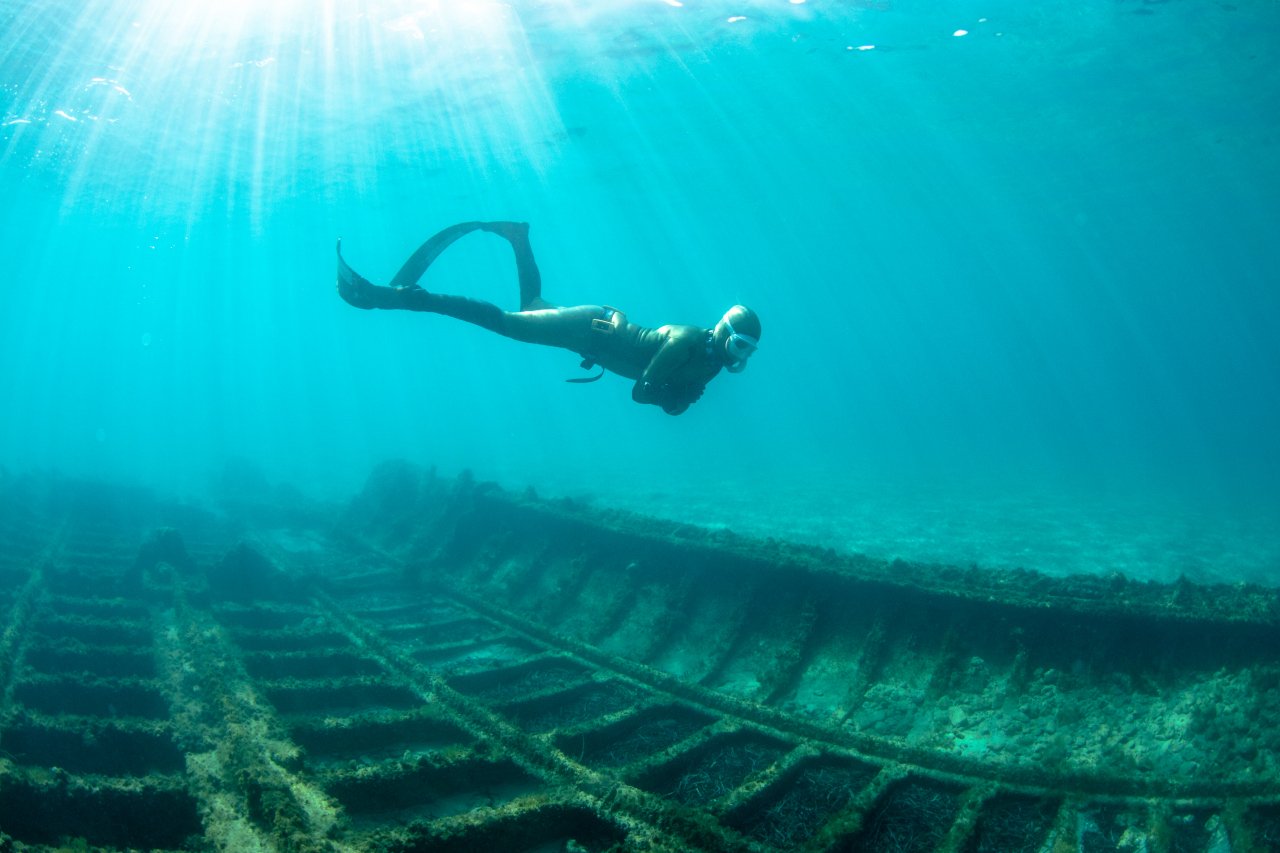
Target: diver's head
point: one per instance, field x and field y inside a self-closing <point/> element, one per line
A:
<point x="736" y="337"/>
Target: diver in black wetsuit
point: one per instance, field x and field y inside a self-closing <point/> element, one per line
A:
<point x="671" y="364"/>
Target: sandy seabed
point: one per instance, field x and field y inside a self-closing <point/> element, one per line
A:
<point x="1147" y="538"/>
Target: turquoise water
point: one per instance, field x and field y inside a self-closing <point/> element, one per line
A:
<point x="1016" y="263"/>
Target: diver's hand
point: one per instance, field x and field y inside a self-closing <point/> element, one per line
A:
<point x="674" y="399"/>
<point x="682" y="399"/>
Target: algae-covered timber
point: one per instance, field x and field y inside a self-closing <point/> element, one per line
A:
<point x="443" y="665"/>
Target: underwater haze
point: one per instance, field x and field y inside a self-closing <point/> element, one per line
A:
<point x="1016" y="263"/>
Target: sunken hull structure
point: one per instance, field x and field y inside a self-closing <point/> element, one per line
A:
<point x="444" y="665"/>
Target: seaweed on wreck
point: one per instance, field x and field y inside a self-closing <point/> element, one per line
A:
<point x="803" y="802"/>
<point x="1263" y="827"/>
<point x="635" y="739"/>
<point x="714" y="770"/>
<point x="564" y="678"/>
<point x="1013" y="824"/>
<point x="912" y="817"/>
<point x="573" y="707"/>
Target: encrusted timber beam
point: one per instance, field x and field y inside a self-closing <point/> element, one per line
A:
<point x="16" y="632"/>
<point x="646" y="818"/>
<point x="242" y="765"/>
<point x="892" y="750"/>
<point x="403" y="505"/>
<point x="462" y="528"/>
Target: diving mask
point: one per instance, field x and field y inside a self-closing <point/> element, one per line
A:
<point x="739" y="348"/>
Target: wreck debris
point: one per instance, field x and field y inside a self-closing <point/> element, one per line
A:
<point x="459" y="668"/>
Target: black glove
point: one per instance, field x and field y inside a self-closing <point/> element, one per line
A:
<point x="675" y="399"/>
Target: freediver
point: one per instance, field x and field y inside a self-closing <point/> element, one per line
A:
<point x="671" y="365"/>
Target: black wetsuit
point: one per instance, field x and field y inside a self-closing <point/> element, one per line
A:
<point x="671" y="364"/>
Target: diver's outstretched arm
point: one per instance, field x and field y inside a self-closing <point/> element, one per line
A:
<point x="655" y="384"/>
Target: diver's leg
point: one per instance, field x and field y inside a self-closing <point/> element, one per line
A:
<point x="568" y="328"/>
<point x="481" y="313"/>
<point x="517" y="234"/>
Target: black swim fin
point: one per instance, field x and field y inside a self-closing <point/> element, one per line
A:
<point x="354" y="288"/>
<point x="425" y="255"/>
<point x="357" y="290"/>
